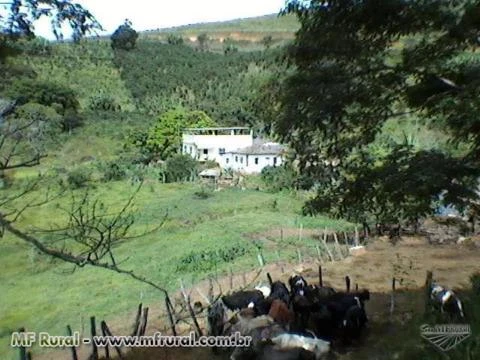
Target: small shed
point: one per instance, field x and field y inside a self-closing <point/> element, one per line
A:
<point x="210" y="176"/>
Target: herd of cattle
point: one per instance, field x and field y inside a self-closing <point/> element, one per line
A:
<point x="299" y="322"/>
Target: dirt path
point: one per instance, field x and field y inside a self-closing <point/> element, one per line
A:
<point x="408" y="261"/>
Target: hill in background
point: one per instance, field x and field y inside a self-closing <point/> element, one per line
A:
<point x="246" y="32"/>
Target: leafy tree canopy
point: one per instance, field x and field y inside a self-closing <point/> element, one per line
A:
<point x="361" y="63"/>
<point x="125" y="37"/>
<point x="18" y="21"/>
<point x="165" y="138"/>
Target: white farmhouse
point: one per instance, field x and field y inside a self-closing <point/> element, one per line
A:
<point x="232" y="148"/>
<point x="212" y="143"/>
<point x="253" y="159"/>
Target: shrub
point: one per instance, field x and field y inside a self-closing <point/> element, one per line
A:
<point x="78" y="178"/>
<point x="71" y="120"/>
<point x="475" y="281"/>
<point x="113" y="171"/>
<point x="208" y="259"/>
<point x="174" y="39"/>
<point x="279" y="177"/>
<point x="203" y="193"/>
<point x="179" y="168"/>
<point x="104" y="103"/>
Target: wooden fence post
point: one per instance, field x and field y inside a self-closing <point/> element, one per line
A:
<point x="231" y="279"/>
<point x="136" y="325"/>
<point x="270" y="281"/>
<point x="106" y="330"/>
<point x="320" y="276"/>
<point x="210" y="289"/>
<point x="190" y="309"/>
<point x="143" y="327"/>
<point x="428" y="286"/>
<point x="299" y="254"/>
<point x="169" y="307"/>
<point x="324" y="240"/>
<point x="261" y="260"/>
<point x="392" y="298"/>
<point x="104" y="333"/>
<point x="23" y="351"/>
<point x="347" y="283"/>
<point x="72" y="349"/>
<point x="337" y="246"/>
<point x="319" y="253"/>
<point x="93" y="331"/>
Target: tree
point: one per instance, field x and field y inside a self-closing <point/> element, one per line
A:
<point x="165" y="138"/>
<point x="18" y="21"/>
<point x="58" y="98"/>
<point x="267" y="41"/>
<point x="229" y="46"/>
<point x="359" y="64"/>
<point x="125" y="37"/>
<point x="203" y="41"/>
<point x="179" y="167"/>
<point x="91" y="228"/>
<point x="173" y="39"/>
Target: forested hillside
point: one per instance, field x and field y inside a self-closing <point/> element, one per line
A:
<point x="106" y="94"/>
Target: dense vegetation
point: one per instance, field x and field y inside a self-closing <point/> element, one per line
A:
<point x="355" y="75"/>
<point x="403" y="126"/>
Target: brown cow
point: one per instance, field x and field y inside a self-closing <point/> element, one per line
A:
<point x="280" y="312"/>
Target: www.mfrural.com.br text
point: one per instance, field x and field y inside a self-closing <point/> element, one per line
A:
<point x="44" y="339"/>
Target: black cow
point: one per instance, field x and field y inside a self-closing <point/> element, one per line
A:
<point x="280" y="292"/>
<point x="242" y="299"/>
<point x="353" y="323"/>
<point x="298" y="284"/>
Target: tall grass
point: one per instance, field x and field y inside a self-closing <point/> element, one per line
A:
<point x="42" y="295"/>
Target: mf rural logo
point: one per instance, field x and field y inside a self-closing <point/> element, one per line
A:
<point x="445" y="337"/>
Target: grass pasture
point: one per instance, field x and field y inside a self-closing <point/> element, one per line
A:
<point x="42" y="295"/>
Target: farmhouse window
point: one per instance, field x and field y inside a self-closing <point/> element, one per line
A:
<point x="275" y="161"/>
<point x="241" y="159"/>
<point x="205" y="151"/>
<point x="227" y="160"/>
<point x="236" y="158"/>
<point x="190" y="150"/>
<point x="221" y="151"/>
<point x="256" y="161"/>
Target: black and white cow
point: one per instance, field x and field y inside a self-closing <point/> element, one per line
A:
<point x="447" y="301"/>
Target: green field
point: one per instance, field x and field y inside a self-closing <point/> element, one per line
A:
<point x="44" y="296"/>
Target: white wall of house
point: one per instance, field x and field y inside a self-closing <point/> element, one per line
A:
<point x="251" y="163"/>
<point x="212" y="147"/>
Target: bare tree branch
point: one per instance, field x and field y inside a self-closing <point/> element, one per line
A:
<point x="70" y="258"/>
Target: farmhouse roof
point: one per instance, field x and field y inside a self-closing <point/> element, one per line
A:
<point x="269" y="148"/>
<point x="210" y="173"/>
<point x="218" y="128"/>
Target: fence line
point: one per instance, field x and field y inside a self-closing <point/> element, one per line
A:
<point x="326" y="250"/>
